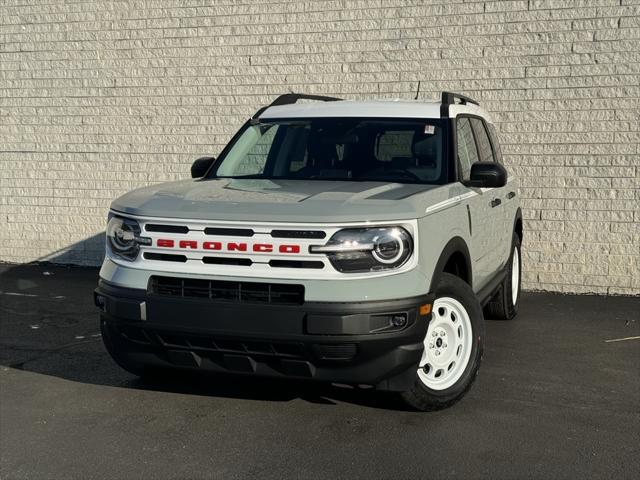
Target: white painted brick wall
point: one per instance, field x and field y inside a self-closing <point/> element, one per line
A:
<point x="99" y="97"/>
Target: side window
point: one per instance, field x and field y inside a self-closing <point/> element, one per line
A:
<point x="466" y="145"/>
<point x="484" y="144"/>
<point x="497" y="152"/>
<point x="392" y="144"/>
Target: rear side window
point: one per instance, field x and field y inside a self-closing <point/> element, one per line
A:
<point x="484" y="144"/>
<point x="466" y="145"/>
<point x="497" y="152"/>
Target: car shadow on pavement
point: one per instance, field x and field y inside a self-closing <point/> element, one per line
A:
<point x="50" y="327"/>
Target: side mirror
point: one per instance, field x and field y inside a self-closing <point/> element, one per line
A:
<point x="200" y="166"/>
<point x="487" y="175"/>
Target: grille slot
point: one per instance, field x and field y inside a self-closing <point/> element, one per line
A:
<point x="227" y="261"/>
<point x="295" y="264"/>
<point x="298" y="234"/>
<point x="340" y="351"/>
<point x="245" y="292"/>
<point x="234" y="232"/>
<point x="165" y="257"/>
<point x="153" y="227"/>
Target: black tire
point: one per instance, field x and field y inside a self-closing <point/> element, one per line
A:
<point x="502" y="306"/>
<point x="424" y="398"/>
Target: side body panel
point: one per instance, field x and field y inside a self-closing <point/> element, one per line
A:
<point x="486" y="224"/>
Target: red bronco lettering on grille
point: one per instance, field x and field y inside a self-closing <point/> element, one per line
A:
<point x="233" y="246"/>
<point x="212" y="245"/>
<point x="289" y="249"/>
<point x="228" y="246"/>
<point x="164" y="243"/>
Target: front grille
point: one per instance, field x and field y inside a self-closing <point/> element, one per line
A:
<point x="245" y="292"/>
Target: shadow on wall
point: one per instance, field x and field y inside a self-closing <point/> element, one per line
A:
<point x="88" y="252"/>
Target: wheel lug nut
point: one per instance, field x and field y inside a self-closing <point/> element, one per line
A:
<point x="431" y="345"/>
<point x="437" y="352"/>
<point x="444" y="345"/>
<point x="434" y="334"/>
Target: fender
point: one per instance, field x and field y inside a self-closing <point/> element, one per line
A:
<point x="455" y="245"/>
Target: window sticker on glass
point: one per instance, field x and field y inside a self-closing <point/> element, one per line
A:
<point x="429" y="129"/>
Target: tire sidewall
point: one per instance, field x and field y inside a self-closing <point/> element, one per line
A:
<point x="511" y="307"/>
<point x="454" y="287"/>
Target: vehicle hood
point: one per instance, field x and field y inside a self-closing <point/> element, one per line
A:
<point x="305" y="201"/>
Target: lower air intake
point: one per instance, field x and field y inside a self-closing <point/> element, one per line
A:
<point x="218" y="290"/>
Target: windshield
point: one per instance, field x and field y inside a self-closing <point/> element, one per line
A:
<point x="386" y="150"/>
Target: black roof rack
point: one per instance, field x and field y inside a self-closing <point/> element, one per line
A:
<point x="449" y="98"/>
<point x="289" y="98"/>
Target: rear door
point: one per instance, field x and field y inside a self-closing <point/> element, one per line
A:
<point x="510" y="191"/>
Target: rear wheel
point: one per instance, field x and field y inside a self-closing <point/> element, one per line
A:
<point x="452" y="347"/>
<point x="504" y="305"/>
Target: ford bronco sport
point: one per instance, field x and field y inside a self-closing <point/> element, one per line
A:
<point x="340" y="241"/>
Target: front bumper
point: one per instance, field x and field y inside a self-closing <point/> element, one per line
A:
<point x="347" y="342"/>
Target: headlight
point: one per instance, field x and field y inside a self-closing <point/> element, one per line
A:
<point x="123" y="237"/>
<point x="367" y="249"/>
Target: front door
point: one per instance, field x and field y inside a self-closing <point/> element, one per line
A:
<point x="485" y="212"/>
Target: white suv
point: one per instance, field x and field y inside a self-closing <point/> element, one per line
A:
<point x="339" y="241"/>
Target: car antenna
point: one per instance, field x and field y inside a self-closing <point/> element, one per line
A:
<point x="417" y="90"/>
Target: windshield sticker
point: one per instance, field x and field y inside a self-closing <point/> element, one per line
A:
<point x="429" y="129"/>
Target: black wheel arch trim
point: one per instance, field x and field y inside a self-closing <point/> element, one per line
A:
<point x="516" y="219"/>
<point x="455" y="245"/>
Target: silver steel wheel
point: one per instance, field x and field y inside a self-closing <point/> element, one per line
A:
<point x="515" y="276"/>
<point x="447" y="346"/>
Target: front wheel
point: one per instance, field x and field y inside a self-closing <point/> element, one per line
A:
<point x="452" y="347"/>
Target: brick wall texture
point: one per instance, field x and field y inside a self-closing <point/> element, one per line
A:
<point x="99" y="97"/>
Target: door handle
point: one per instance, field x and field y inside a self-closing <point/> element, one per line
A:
<point x="495" y="202"/>
<point x="510" y="195"/>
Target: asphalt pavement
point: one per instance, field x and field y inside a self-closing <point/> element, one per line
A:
<point x="558" y="396"/>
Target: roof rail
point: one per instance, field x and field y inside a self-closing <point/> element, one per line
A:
<point x="289" y="98"/>
<point x="449" y="98"/>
